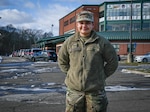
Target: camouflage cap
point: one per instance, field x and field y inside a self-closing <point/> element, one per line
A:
<point x="85" y="16"/>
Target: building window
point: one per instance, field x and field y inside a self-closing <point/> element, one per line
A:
<point x="66" y="23"/>
<point x="72" y="19"/>
<point x="101" y="28"/>
<point x="118" y="27"/>
<point x="116" y="47"/>
<point x="133" y="47"/>
<point x="146" y="11"/>
<point x="122" y="27"/>
<point x="136" y="27"/>
<point x="101" y="14"/>
<point x="146" y="26"/>
<point x="89" y="8"/>
<point x="123" y="11"/>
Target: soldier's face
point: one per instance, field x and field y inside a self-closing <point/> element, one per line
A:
<point x="84" y="27"/>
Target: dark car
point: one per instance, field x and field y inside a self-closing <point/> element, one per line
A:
<point x="51" y="55"/>
<point x="119" y="58"/>
<point x="44" y="56"/>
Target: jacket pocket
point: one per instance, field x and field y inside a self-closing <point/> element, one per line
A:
<point x="93" y="58"/>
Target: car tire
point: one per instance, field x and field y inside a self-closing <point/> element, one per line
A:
<point x="55" y="60"/>
<point x="145" y="60"/>
<point x="46" y="59"/>
<point x="33" y="59"/>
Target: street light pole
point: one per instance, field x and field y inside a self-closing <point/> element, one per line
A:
<point x="0" y="33"/>
<point x="130" y="55"/>
<point x="52" y="28"/>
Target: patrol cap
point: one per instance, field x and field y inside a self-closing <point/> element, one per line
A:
<point x="85" y="16"/>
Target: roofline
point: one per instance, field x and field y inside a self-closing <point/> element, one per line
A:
<point x="78" y="8"/>
<point x="103" y="4"/>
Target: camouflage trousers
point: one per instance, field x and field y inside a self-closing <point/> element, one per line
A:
<point x="86" y="101"/>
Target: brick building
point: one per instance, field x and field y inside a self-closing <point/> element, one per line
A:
<point x="113" y="20"/>
<point x="68" y="25"/>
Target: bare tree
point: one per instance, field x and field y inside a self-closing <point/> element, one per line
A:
<point x="12" y="39"/>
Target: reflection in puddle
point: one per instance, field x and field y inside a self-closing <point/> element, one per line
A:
<point x="4" y="90"/>
<point x="11" y="90"/>
<point x="123" y="88"/>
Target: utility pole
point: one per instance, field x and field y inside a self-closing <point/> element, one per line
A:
<point x="130" y="55"/>
<point x="0" y="33"/>
<point x="52" y="28"/>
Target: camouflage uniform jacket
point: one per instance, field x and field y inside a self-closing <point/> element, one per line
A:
<point x="88" y="64"/>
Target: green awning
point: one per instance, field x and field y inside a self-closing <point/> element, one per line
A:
<point x="61" y="38"/>
<point x="112" y="35"/>
<point x="53" y="39"/>
<point x="124" y="35"/>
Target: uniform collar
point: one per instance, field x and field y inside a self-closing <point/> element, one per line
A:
<point x="92" y="38"/>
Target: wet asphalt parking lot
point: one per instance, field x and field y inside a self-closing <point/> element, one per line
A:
<point x="38" y="86"/>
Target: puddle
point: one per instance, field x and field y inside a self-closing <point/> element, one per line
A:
<point x="37" y="70"/>
<point x="124" y="88"/>
<point x="11" y="90"/>
<point x="147" y="75"/>
<point x="4" y="90"/>
<point x="16" y="64"/>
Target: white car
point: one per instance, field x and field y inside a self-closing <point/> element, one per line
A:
<point x="144" y="58"/>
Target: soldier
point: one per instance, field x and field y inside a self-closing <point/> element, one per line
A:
<point x="87" y="59"/>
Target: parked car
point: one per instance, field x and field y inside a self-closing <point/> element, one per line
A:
<point x="38" y="56"/>
<point x="15" y="53"/>
<point x="144" y="58"/>
<point x="33" y="52"/>
<point x="44" y="56"/>
<point x="51" y="55"/>
<point x="26" y="53"/>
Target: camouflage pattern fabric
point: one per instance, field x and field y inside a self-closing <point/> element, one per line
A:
<point x="86" y="102"/>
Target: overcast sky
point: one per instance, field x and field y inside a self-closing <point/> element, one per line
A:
<point x="39" y="14"/>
